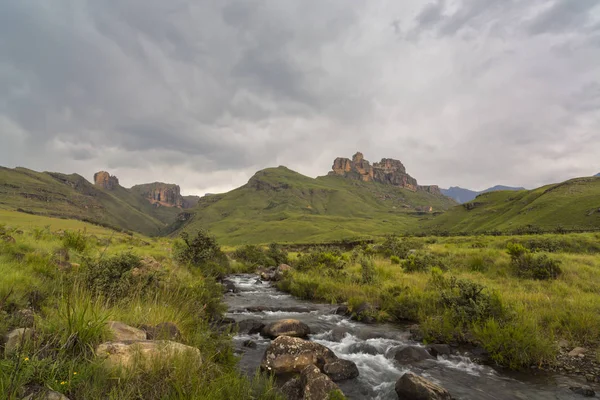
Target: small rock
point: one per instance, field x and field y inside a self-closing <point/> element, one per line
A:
<point x="8" y="239"/>
<point x="16" y="338"/>
<point x="229" y="286"/>
<point x="412" y="354"/>
<point x="340" y="370"/>
<point x="365" y="348"/>
<point x="577" y="351"/>
<point x="342" y="310"/>
<point x="338" y="333"/>
<point x="286" y="327"/>
<point x="250" y="326"/>
<point x="258" y="282"/>
<point x="47" y="395"/>
<point x="251" y="344"/>
<point x="563" y="344"/>
<point x="585" y="391"/>
<point x="413" y="387"/>
<point x="438" y="349"/>
<point x="292" y="389"/>
<point x="121" y="331"/>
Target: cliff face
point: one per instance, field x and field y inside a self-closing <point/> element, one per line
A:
<point x="388" y="171"/>
<point x="105" y="180"/>
<point x="164" y="194"/>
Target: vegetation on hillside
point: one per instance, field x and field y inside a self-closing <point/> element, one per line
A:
<point x="66" y="284"/>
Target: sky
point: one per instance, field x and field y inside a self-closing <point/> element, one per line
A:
<point x="204" y="93"/>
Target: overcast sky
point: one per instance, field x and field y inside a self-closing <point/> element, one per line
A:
<point x="205" y="93"/>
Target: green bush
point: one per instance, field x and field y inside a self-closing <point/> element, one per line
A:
<point x="75" y="240"/>
<point x="253" y="255"/>
<point x="321" y="259"/>
<point x="278" y="254"/>
<point x="394" y="246"/>
<point x="202" y="251"/>
<point x="530" y="266"/>
<point x="422" y="262"/>
<point x="367" y="268"/>
<point x="118" y="277"/>
<point x="395" y="259"/>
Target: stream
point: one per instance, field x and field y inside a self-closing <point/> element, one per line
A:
<point x="463" y="378"/>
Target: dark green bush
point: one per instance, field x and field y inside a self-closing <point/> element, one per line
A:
<point x="395" y="259"/>
<point x="202" y="251"/>
<point x="75" y="240"/>
<point x="530" y="266"/>
<point x="394" y="246"/>
<point x="324" y="259"/>
<point x="253" y="255"/>
<point x="422" y="262"/>
<point x="119" y="276"/>
<point x="278" y="254"/>
<point x="367" y="269"/>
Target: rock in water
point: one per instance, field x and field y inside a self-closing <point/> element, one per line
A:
<point x="585" y="391"/>
<point x="250" y="326"/>
<point x="413" y="387"/>
<point x="412" y="354"/>
<point x="290" y="354"/>
<point x="286" y="327"/>
<point x="121" y="331"/>
<point x="340" y="370"/>
<point x="144" y="352"/>
<point x="316" y="385"/>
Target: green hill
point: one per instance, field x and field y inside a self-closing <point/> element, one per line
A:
<point x="278" y="204"/>
<point x="571" y="205"/>
<point x="72" y="196"/>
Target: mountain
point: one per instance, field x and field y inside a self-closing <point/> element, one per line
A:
<point x="278" y="204"/>
<point x="103" y="202"/>
<point x="597" y="175"/>
<point x="572" y="205"/>
<point x="464" y="195"/>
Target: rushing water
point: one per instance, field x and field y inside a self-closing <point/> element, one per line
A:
<point x="463" y="378"/>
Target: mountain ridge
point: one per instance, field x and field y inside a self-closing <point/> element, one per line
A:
<point x="462" y="195"/>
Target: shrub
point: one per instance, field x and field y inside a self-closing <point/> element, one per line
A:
<point x="77" y="240"/>
<point x="395" y="259"/>
<point x="253" y="255"/>
<point x="323" y="259"/>
<point x="202" y="251"/>
<point x="393" y="246"/>
<point x="368" y="273"/>
<point x="277" y="253"/>
<point x="422" y="262"/>
<point x="529" y="266"/>
<point x="118" y="277"/>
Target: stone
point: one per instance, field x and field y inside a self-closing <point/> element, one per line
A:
<point x="563" y="344"/>
<point x="250" y="326"/>
<point x="585" y="391"/>
<point x="229" y="286"/>
<point x="14" y="339"/>
<point x="105" y="180"/>
<point x="338" y="333"/>
<point x="342" y="310"/>
<point x="292" y="389"/>
<point x="164" y="330"/>
<point x="288" y="354"/>
<point x="438" y="350"/>
<point x="128" y="354"/>
<point x="577" y="351"/>
<point x="286" y="327"/>
<point x="316" y="385"/>
<point x="340" y="370"/>
<point x="414" y="387"/>
<point x="121" y="331"/>
<point x="364" y="348"/>
<point x="251" y="344"/>
<point x="411" y="354"/>
<point x="7" y="239"/>
<point x="46" y="395"/>
<point x="388" y="171"/>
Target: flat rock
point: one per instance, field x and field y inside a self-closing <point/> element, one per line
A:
<point x="414" y="387"/>
<point x="286" y="327"/>
<point x="121" y="331"/>
<point x="127" y="354"/>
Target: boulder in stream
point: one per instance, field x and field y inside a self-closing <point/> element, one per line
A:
<point x="414" y="387"/>
<point x="411" y="354"/>
<point x="290" y="354"/>
<point x="286" y="327"/>
<point x="340" y="370"/>
<point x="312" y="384"/>
<point x="250" y="326"/>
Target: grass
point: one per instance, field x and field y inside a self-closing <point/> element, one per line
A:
<point x="70" y="314"/>
<point x="281" y="205"/>
<point x="517" y="320"/>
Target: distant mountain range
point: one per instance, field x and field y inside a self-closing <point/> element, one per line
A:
<point x="465" y="195"/>
<point x="597" y="175"/>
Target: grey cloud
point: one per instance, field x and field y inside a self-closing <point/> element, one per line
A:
<point x="563" y="15"/>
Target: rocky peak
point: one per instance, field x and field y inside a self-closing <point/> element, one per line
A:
<point x="161" y="194"/>
<point x="388" y="171"/>
<point x="105" y="180"/>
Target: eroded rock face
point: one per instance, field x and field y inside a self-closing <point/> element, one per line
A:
<point x="388" y="171"/>
<point x="105" y="180"/>
<point x="164" y="194"/>
<point x="290" y="354"/>
<point x="121" y="331"/>
<point x="127" y="354"/>
<point x="286" y="327"/>
<point x="414" y="387"/>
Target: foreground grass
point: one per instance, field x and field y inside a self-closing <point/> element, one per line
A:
<point x="70" y="313"/>
<point x="467" y="291"/>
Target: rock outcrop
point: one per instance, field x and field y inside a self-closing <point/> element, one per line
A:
<point x="105" y="180"/>
<point x="130" y="353"/>
<point x="165" y="194"/>
<point x="388" y="171"/>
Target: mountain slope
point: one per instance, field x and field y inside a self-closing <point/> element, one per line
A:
<point x="574" y="204"/>
<point x="278" y="204"/>
<point x="464" y="195"/>
<point x="72" y="196"/>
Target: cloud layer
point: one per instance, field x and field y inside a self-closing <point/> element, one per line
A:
<point x="204" y="93"/>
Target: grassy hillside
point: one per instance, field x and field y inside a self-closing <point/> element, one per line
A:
<point x="72" y="196"/>
<point x="571" y="205"/>
<point x="278" y="204"/>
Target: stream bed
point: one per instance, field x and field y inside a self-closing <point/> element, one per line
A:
<point x="463" y="378"/>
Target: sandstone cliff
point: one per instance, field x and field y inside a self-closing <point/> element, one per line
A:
<point x="105" y="180"/>
<point x="165" y="194"/>
<point x="388" y="171"/>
